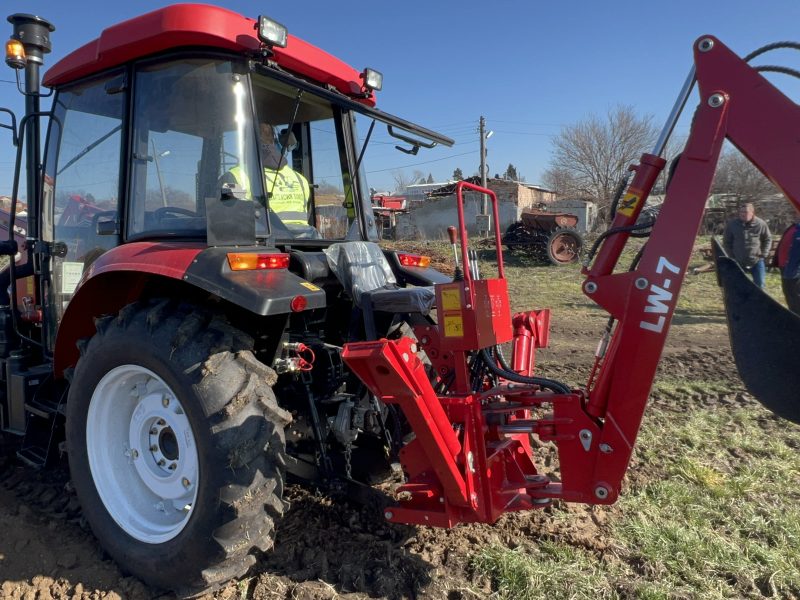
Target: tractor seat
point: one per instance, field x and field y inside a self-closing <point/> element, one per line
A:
<point x="364" y="272"/>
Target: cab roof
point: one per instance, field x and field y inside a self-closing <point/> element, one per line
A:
<point x="200" y="26"/>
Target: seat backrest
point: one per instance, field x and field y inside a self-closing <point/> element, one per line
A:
<point x="360" y="267"/>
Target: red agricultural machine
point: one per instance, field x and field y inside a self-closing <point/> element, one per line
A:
<point x="191" y="344"/>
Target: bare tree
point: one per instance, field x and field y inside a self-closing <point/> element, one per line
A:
<point x="401" y="180"/>
<point x="591" y="156"/>
<point x="736" y="175"/>
<point x="562" y="182"/>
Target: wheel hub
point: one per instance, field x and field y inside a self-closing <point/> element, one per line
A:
<point x="142" y="453"/>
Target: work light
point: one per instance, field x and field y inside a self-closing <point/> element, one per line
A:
<point x="271" y="32"/>
<point x="373" y="79"/>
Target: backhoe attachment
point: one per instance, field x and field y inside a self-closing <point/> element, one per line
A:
<point x="764" y="339"/>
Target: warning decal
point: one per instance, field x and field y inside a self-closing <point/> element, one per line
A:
<point x="451" y="299"/>
<point x="629" y="203"/>
<point x="453" y="326"/>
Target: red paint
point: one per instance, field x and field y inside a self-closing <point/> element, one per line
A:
<point x="782" y="251"/>
<point x="594" y="430"/>
<point x="199" y="25"/>
<point x="170" y="259"/>
<point x="462" y="227"/>
<point x="115" y="279"/>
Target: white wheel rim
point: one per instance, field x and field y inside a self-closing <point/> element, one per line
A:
<point x="142" y="454"/>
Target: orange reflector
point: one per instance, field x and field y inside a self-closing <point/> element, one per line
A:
<point x="15" y="54"/>
<point x="248" y="261"/>
<point x="413" y="260"/>
<point x="298" y="303"/>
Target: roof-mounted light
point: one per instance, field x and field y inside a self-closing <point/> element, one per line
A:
<point x="271" y="32"/>
<point x="15" y="54"/>
<point x="373" y="79"/>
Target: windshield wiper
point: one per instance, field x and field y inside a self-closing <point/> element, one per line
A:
<point x="364" y="147"/>
<point x="88" y="149"/>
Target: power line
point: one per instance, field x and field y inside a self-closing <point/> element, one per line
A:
<point x="525" y="122"/>
<point x="525" y="133"/>
<point x="425" y="162"/>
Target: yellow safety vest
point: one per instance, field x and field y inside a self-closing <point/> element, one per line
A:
<point x="289" y="192"/>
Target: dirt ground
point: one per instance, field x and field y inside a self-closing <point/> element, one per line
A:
<point x="331" y="548"/>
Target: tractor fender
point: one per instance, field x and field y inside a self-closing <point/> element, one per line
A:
<point x="119" y="277"/>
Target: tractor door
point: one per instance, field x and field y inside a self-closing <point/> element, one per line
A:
<point x="82" y="183"/>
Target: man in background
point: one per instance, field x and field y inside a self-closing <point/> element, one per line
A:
<point x="747" y="240"/>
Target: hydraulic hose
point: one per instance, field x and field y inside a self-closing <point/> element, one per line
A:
<point x="770" y="47"/>
<point x="614" y="231"/>
<point x="505" y="373"/>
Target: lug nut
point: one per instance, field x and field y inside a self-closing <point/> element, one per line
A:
<point x="135" y="453"/>
<point x="186" y="483"/>
<point x="153" y="448"/>
<point x="161" y="462"/>
<point x="173" y="466"/>
<point x="153" y="431"/>
<point x="165" y="401"/>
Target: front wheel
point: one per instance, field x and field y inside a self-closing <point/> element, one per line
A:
<point x="176" y="445"/>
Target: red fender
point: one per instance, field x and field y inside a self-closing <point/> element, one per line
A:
<point x="115" y="279"/>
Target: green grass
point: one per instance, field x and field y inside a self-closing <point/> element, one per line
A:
<point x="716" y="517"/>
<point x="711" y="508"/>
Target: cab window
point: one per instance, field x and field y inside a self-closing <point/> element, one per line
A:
<point x="192" y="123"/>
<point x="305" y="171"/>
<point x="81" y="180"/>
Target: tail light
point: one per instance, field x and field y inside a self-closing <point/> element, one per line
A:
<point x="413" y="260"/>
<point x="249" y="261"/>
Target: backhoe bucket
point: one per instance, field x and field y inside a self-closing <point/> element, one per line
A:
<point x="765" y="339"/>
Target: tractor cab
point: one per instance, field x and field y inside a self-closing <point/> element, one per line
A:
<point x="210" y="132"/>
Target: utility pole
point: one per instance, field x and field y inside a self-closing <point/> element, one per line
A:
<point x="482" y="129"/>
<point x="483" y="219"/>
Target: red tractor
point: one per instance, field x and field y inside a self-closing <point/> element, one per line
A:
<point x="191" y="341"/>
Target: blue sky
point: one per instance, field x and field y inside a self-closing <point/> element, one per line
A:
<point x="528" y="67"/>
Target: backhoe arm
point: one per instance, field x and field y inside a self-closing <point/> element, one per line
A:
<point x="736" y="103"/>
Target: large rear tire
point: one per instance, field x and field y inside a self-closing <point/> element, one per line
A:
<point x="176" y="445"/>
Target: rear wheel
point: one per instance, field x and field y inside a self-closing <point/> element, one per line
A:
<point x="564" y="246"/>
<point x="176" y="445"/>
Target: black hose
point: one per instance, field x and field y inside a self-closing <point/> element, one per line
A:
<point x="778" y="69"/>
<point x="621" y="187"/>
<point x="770" y="47"/>
<point x="550" y="384"/>
<point x="615" y="230"/>
<point x="637" y="258"/>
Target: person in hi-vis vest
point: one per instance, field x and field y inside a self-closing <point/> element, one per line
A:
<point x="288" y="191"/>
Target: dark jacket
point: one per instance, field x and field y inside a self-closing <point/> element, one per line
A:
<point x="747" y="242"/>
